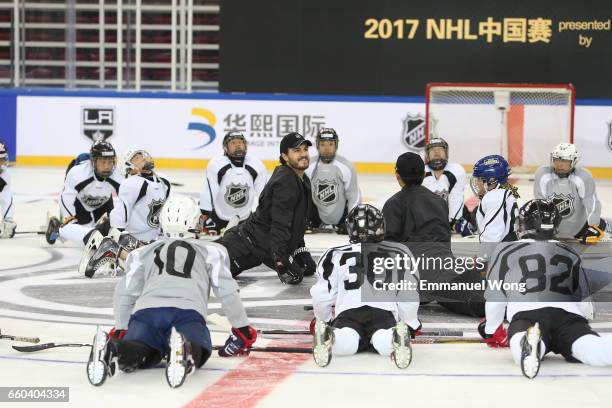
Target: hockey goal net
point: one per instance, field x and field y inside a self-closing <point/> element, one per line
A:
<point x="522" y="122"/>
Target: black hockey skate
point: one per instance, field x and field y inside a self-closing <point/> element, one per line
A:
<point x="402" y="350"/>
<point x="52" y="233"/>
<point x="180" y="360"/>
<point x="102" y="359"/>
<point x="322" y="343"/>
<point x="530" y="353"/>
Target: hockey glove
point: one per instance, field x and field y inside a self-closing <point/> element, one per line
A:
<point x="7" y="228"/>
<point x="288" y="271"/>
<point x="303" y="258"/>
<point x="239" y="342"/>
<point x="495" y="340"/>
<point x="464" y="227"/>
<point x="415" y="332"/>
<point x="209" y="223"/>
<point x="592" y="235"/>
<point x="117" y="334"/>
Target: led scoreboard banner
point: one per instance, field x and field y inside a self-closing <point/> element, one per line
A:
<point x="396" y="47"/>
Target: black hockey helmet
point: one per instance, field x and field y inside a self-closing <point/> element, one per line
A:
<point x="327" y="134"/>
<point x="538" y="219"/>
<point x="436" y="164"/>
<point x="237" y="155"/>
<point x="99" y="150"/>
<point x="365" y="223"/>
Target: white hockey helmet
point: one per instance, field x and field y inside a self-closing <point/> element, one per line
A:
<point x="565" y="151"/>
<point x="126" y="166"/>
<point x="179" y="217"/>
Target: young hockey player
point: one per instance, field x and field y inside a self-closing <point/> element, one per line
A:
<point x="136" y="214"/>
<point x="345" y="278"/>
<point x="233" y="184"/>
<point x="572" y="189"/>
<point x="443" y="178"/>
<point x="161" y="304"/>
<point x="87" y="196"/>
<point x="548" y="312"/>
<point x="7" y="207"/>
<point x="334" y="183"/>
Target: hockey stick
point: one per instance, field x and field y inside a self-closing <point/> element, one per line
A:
<point x="45" y="346"/>
<point x="30" y="232"/>
<point x="19" y="338"/>
<point x="432" y="333"/>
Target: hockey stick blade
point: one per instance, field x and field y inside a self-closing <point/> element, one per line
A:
<point x="45" y="346"/>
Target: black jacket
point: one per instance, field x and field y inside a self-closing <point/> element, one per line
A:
<point x="415" y="214"/>
<point x="278" y="224"/>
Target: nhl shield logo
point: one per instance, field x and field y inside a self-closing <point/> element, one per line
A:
<point x="155" y="207"/>
<point x="564" y="204"/>
<point x="97" y="123"/>
<point x="610" y="135"/>
<point x="413" y="132"/>
<point x="237" y="195"/>
<point x="327" y="192"/>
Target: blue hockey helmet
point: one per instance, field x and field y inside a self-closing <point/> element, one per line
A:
<point x="493" y="170"/>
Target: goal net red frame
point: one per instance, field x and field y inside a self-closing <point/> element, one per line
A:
<point x="522" y="122"/>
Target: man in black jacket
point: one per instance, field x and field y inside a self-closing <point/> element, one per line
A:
<point x="274" y="233"/>
<point x="418" y="218"/>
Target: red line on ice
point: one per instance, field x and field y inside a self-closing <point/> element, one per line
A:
<point x="251" y="381"/>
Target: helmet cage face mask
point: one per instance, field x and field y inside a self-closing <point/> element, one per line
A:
<point x="365" y="223"/>
<point x="438" y="163"/>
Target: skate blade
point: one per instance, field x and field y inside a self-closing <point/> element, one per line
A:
<point x="97" y="369"/>
<point x="402" y="350"/>
<point x="176" y="369"/>
<point x="530" y="362"/>
<point x="321" y="350"/>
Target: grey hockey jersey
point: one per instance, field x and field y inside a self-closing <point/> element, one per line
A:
<point x="334" y="188"/>
<point x="574" y="196"/>
<point x="178" y="273"/>
<point x="550" y="273"/>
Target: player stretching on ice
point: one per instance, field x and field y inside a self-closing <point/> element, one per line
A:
<point x="345" y="277"/>
<point x="549" y="314"/>
<point x="7" y="207"/>
<point x="164" y="297"/>
<point x="572" y="189"/>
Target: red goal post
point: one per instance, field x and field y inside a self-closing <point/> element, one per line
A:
<point x="522" y="122"/>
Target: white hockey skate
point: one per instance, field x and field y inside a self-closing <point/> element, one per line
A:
<point x="402" y="350"/>
<point x="530" y="354"/>
<point x="102" y="360"/>
<point x="180" y="360"/>
<point x="322" y="343"/>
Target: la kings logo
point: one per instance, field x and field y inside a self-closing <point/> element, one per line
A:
<point x="413" y="132"/>
<point x="443" y="194"/>
<point x="97" y="123"/>
<point x="155" y="207"/>
<point x="237" y="195"/>
<point x="564" y="204"/>
<point x="327" y="192"/>
<point x="94" y="201"/>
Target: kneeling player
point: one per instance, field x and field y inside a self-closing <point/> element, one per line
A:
<point x="549" y="313"/>
<point x="165" y="298"/>
<point x="7" y="207"/>
<point x="345" y="278"/>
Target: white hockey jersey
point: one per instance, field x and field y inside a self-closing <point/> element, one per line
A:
<point x="178" y="273"/>
<point x="84" y="192"/>
<point x="496" y="215"/>
<point x="138" y="205"/>
<point x="551" y="273"/>
<point x="450" y="186"/>
<point x="574" y="196"/>
<point x="231" y="190"/>
<point x="7" y="207"/>
<point x="346" y="278"/>
<point x="334" y="188"/>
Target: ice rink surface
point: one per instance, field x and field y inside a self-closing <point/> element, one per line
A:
<point x="41" y="295"/>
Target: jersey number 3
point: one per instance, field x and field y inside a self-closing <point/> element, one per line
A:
<point x="170" y="266"/>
